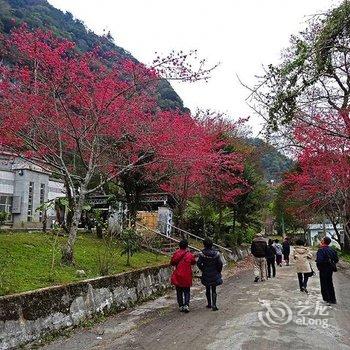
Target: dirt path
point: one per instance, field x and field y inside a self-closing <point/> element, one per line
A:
<point x="295" y="320"/>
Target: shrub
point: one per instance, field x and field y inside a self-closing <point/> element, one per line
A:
<point x="131" y="242"/>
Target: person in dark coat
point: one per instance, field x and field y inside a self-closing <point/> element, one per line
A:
<point x="326" y="260"/>
<point x="270" y="259"/>
<point x="286" y="250"/>
<point x="181" y="278"/>
<point x="210" y="263"/>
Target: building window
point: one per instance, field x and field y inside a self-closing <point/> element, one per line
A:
<point x="42" y="201"/>
<point x="30" y="202"/>
<point x="6" y="205"/>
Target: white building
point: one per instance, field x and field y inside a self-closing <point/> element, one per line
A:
<point x="23" y="188"/>
<point x="317" y="231"/>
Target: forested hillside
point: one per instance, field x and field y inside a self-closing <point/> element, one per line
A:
<point x="40" y="14"/>
<point x="273" y="163"/>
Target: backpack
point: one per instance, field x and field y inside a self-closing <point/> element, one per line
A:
<point x="331" y="262"/>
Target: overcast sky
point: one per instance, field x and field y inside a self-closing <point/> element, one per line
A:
<point x="241" y="34"/>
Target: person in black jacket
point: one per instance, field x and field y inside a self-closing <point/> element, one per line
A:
<point x="258" y="250"/>
<point x="270" y="259"/>
<point x="210" y="263"/>
<point x="326" y="260"/>
<point x="286" y="250"/>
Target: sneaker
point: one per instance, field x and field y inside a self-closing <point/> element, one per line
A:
<point x="215" y="308"/>
<point x="256" y="279"/>
<point x="306" y="291"/>
<point x="186" y="309"/>
<point x="181" y="308"/>
<point x="208" y="306"/>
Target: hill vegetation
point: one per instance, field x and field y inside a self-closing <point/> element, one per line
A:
<point x="273" y="164"/>
<point x="40" y="14"/>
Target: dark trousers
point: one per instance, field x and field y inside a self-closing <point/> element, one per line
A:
<point x="327" y="288"/>
<point x="183" y="296"/>
<point x="271" y="264"/>
<point x="210" y="292"/>
<point x="286" y="258"/>
<point x="303" y="278"/>
<point x="278" y="259"/>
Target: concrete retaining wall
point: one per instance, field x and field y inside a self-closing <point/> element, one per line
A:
<point x="28" y="316"/>
<point x="239" y="253"/>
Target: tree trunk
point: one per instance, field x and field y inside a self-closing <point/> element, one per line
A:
<point x="99" y="231"/>
<point x="68" y="250"/>
<point x="128" y="258"/>
<point x="346" y="246"/>
<point x="45" y="221"/>
<point x="218" y="231"/>
<point x="179" y="217"/>
<point x="346" y="223"/>
<point x="234" y="223"/>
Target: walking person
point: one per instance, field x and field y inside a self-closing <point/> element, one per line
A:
<point x="286" y="250"/>
<point x="181" y="278"/>
<point x="302" y="256"/>
<point x="278" y="248"/>
<point x="210" y="263"/>
<point x="326" y="261"/>
<point x="270" y="259"/>
<point x="258" y="250"/>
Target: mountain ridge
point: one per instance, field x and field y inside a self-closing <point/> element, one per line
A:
<point x="41" y="14"/>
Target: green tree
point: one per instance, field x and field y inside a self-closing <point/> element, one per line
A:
<point x="206" y="219"/>
<point x="3" y="217"/>
<point x="313" y="76"/>
<point x="131" y="242"/>
<point x="247" y="209"/>
<point x="288" y="216"/>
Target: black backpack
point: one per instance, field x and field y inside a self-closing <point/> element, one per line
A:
<point x="331" y="262"/>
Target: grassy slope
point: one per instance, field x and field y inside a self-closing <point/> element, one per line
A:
<point x="345" y="256"/>
<point x="26" y="258"/>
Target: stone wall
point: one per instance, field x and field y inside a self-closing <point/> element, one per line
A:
<point x="28" y="316"/>
<point x="239" y="253"/>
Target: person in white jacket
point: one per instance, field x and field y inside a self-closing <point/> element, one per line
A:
<point x="302" y="256"/>
<point x="278" y="248"/>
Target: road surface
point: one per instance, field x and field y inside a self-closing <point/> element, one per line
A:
<point x="294" y="320"/>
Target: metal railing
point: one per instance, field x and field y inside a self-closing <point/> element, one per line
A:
<point x="172" y="239"/>
<point x="199" y="238"/>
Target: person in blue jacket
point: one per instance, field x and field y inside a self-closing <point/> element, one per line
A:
<point x="326" y="260"/>
<point x="210" y="263"/>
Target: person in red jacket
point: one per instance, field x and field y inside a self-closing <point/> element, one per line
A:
<point x="181" y="278"/>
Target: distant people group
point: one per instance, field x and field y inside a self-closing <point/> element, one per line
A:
<point x="266" y="255"/>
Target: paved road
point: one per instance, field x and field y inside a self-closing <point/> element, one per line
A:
<point x="295" y="320"/>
